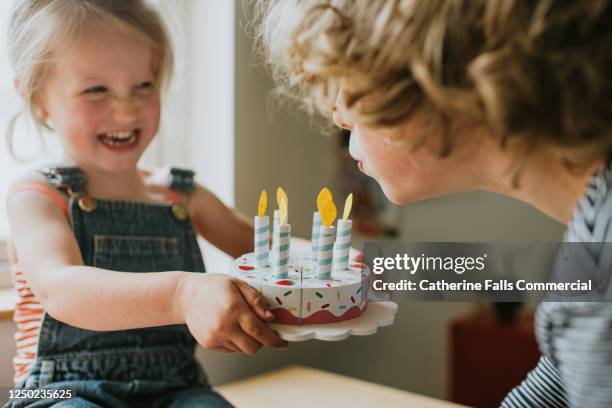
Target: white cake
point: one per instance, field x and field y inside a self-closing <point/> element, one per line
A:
<point x="301" y="298"/>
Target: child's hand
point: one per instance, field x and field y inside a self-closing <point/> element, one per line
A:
<point x="224" y="314"/>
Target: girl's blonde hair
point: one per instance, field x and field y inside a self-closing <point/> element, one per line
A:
<point x="532" y="71"/>
<point x="37" y="27"/>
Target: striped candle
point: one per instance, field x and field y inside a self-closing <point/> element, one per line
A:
<point x="262" y="241"/>
<point x="276" y="218"/>
<point x="314" y="241"/>
<point x="280" y="251"/>
<point x="324" y="256"/>
<point x="342" y="245"/>
<point x="275" y="224"/>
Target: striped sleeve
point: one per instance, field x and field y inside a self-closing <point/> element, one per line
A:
<point x="580" y="342"/>
<point x="542" y="388"/>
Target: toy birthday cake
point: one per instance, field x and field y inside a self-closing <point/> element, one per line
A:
<point x="309" y="287"/>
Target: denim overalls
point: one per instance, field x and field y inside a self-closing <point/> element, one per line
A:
<point x="140" y="367"/>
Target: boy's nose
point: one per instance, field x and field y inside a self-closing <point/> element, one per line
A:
<point x="338" y="120"/>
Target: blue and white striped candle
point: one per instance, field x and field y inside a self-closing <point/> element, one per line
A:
<point x="314" y="240"/>
<point x="262" y="241"/>
<point x="342" y="246"/>
<point x="275" y="224"/>
<point x="280" y="251"/>
<point x="276" y="220"/>
<point x="324" y="256"/>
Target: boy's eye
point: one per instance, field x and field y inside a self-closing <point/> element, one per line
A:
<point x="96" y="90"/>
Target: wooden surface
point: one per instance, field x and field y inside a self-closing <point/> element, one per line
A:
<point x="305" y="387"/>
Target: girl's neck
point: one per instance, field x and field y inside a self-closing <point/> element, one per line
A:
<point x="125" y="186"/>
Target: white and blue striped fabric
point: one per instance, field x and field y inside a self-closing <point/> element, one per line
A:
<point x="576" y="338"/>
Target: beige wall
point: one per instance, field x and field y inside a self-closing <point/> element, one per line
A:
<point x="274" y="149"/>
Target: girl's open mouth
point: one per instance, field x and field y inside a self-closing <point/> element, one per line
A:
<point x="120" y="140"/>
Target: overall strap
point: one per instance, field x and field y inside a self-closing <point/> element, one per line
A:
<point x="72" y="180"/>
<point x="67" y="178"/>
<point x="181" y="180"/>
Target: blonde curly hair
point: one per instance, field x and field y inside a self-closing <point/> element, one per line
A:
<point x="531" y="71"/>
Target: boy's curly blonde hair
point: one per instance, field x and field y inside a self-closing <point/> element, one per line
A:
<point x="532" y="71"/>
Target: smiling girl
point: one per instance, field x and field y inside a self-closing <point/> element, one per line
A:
<point x="112" y="298"/>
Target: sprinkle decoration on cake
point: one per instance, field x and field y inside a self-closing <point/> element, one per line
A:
<point x="308" y="287"/>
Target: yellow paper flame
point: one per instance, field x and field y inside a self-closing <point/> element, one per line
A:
<point x="263" y="203"/>
<point x="324" y="195"/>
<point x="280" y="193"/>
<point x="328" y="213"/>
<point x="284" y="211"/>
<point x="348" y="204"/>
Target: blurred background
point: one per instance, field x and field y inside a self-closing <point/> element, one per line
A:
<point x="221" y="119"/>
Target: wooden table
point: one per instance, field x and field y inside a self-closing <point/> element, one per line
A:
<point x="305" y="387"/>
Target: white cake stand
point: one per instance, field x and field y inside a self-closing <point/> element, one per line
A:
<point x="378" y="314"/>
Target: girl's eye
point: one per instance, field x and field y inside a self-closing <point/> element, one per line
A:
<point x="96" y="90"/>
<point x="145" y="85"/>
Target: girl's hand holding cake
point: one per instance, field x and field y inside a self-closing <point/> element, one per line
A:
<point x="224" y="314"/>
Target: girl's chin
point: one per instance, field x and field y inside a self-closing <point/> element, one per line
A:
<point x="120" y="166"/>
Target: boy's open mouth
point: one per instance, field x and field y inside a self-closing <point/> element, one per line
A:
<point x="120" y="138"/>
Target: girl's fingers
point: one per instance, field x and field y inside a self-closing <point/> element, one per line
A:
<point x="260" y="332"/>
<point x="229" y="346"/>
<point x="244" y="342"/>
<point x="254" y="300"/>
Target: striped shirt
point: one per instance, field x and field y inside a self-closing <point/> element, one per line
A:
<point x="28" y="317"/>
<point x="576" y="338"/>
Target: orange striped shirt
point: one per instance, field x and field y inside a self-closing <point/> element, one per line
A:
<point x="28" y="318"/>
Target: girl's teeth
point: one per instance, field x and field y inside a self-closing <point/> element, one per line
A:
<point x="119" y="135"/>
<point x="118" y="138"/>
